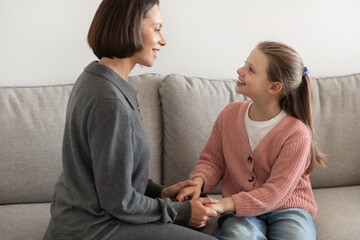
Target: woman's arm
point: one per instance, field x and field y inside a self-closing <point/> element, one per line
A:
<point x="116" y="174"/>
<point x="153" y="190"/>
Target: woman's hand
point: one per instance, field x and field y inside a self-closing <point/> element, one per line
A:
<point x="201" y="214"/>
<point x="192" y="192"/>
<point x="172" y="191"/>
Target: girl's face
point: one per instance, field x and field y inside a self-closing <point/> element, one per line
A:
<point x="253" y="81"/>
<point x="152" y="37"/>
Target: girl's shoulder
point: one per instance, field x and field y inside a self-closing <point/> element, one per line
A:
<point x="232" y="113"/>
<point x="295" y="127"/>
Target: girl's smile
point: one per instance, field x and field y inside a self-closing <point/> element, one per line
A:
<point x="240" y="82"/>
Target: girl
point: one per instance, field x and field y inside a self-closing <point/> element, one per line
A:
<point x="263" y="150"/>
<point x="103" y="191"/>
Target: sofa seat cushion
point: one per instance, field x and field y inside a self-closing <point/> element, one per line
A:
<point x="339" y="213"/>
<point x="334" y="220"/>
<point x="24" y="221"/>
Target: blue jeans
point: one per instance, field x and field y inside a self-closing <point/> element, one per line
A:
<point x="292" y="223"/>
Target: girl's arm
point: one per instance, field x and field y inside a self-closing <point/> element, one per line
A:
<point x="223" y="205"/>
<point x="211" y="164"/>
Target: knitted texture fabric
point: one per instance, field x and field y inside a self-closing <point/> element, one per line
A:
<point x="272" y="177"/>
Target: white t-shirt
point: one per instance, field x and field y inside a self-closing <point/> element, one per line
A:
<point x="256" y="130"/>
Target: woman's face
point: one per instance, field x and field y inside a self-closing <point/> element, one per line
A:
<point x="152" y="37"/>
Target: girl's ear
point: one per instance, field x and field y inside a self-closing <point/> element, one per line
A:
<point x="275" y="88"/>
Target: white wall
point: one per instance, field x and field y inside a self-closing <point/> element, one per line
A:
<point x="44" y="41"/>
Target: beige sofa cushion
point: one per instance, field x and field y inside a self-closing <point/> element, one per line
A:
<point x="31" y="131"/>
<point x="338" y="214"/>
<point x="147" y="86"/>
<point x="337" y="124"/>
<point x="24" y="221"/>
<point x="190" y="107"/>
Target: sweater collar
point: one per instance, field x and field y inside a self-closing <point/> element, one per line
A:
<point x="284" y="124"/>
<point x="127" y="90"/>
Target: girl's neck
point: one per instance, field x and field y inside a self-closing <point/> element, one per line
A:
<point x="264" y="111"/>
<point x="122" y="66"/>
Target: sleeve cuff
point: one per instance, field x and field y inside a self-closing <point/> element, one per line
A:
<point x="183" y="210"/>
<point x="153" y="190"/>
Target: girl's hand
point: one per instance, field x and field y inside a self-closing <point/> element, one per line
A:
<point x="217" y="207"/>
<point x="192" y="192"/>
<point x="223" y="205"/>
<point x="172" y="191"/>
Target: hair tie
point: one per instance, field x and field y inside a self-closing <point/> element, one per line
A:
<point x="306" y="72"/>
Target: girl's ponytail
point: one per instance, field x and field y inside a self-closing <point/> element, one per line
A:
<point x="285" y="66"/>
<point x="299" y="105"/>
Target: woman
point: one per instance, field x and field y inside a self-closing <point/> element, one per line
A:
<point x="103" y="191"/>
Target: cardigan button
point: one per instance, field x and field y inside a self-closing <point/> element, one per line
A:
<point x="251" y="179"/>
<point x="249" y="160"/>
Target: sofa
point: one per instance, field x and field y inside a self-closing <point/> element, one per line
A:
<point x="178" y="113"/>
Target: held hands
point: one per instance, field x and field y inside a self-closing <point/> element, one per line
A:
<point x="172" y="191"/>
<point x="217" y="207"/>
<point x="201" y="214"/>
<point x="202" y="209"/>
<point x="223" y="205"/>
<point x="190" y="191"/>
<point x="185" y="190"/>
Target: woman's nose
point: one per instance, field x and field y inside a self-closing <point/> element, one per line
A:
<point x="162" y="41"/>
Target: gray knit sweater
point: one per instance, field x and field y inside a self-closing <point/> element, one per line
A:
<point x="105" y="163"/>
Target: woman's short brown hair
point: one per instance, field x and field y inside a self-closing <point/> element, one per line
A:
<point x="116" y="28"/>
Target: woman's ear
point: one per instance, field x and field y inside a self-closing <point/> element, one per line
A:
<point x="275" y="88"/>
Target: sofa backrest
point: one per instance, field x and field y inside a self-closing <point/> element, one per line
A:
<point x="190" y="106"/>
<point x="337" y="125"/>
<point x="147" y="86"/>
<point x="31" y="132"/>
<point x="178" y="113"/>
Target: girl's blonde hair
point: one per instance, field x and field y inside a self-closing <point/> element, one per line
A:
<point x="296" y="99"/>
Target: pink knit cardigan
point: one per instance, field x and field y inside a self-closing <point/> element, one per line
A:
<point x="270" y="178"/>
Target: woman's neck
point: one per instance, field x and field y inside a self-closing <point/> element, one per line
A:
<point x="122" y="66"/>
